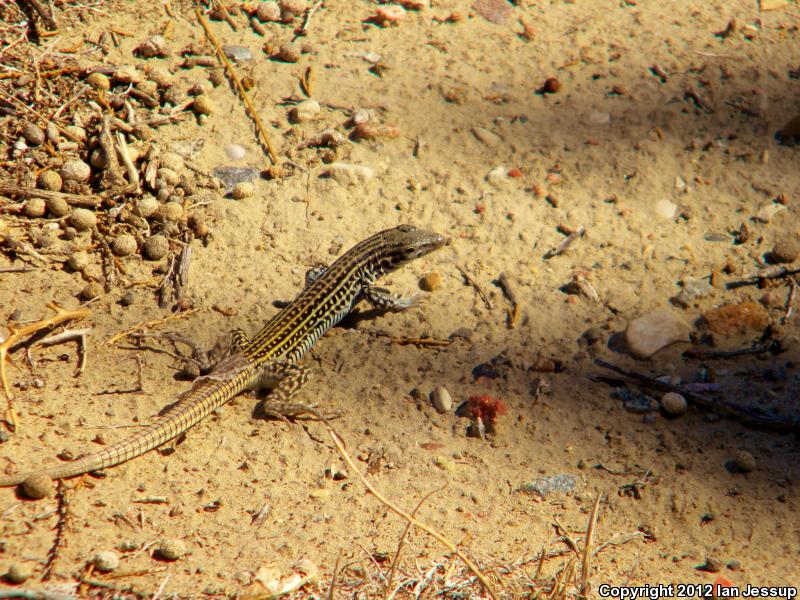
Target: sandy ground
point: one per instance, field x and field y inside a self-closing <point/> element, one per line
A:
<point x="601" y="152"/>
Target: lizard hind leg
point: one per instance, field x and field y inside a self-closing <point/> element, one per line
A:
<point x="285" y="379"/>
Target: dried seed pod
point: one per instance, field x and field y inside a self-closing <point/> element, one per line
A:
<point x="145" y="206"/>
<point x="268" y="12"/>
<point x="38" y="486"/>
<point x="35" y="207"/>
<point x="105" y="561"/>
<point x="75" y="170"/>
<point x="82" y="219"/>
<point x="33" y="134"/>
<point x="171" y="549"/>
<point x="99" y="81"/>
<point x="203" y="105"/>
<point x="78" y="261"/>
<point x="289" y="53"/>
<point x="156" y="247"/>
<point x="242" y="190"/>
<point x="151" y="47"/>
<point x="124" y="244"/>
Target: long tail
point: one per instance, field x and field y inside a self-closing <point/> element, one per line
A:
<point x="207" y="395"/>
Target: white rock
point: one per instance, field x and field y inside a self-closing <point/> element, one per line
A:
<point x="673" y="403"/>
<point x="235" y="151"/>
<point x="655" y="330"/>
<point x="487" y="137"/>
<point x="680" y="185"/>
<point x="307" y="110"/>
<point x="766" y="212"/>
<point x="497" y="176"/>
<point x="350" y="175"/>
<point x="600" y="118"/>
<point x="441" y="399"/>
<point x="666" y="209"/>
<point x="75" y="170"/>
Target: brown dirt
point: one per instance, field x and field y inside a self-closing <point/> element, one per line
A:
<point x="440" y="81"/>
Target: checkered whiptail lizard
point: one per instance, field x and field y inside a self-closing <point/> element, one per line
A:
<point x="270" y="358"/>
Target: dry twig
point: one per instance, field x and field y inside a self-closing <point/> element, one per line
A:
<point x="147" y="325"/>
<point x="476" y="286"/>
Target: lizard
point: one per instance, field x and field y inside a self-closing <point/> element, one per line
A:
<point x="270" y="358"/>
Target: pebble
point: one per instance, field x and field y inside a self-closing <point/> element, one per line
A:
<point x="75" y="170"/>
<point x="168" y="176"/>
<point x="390" y="15"/>
<point x="38" y="486"/>
<point x="97" y="158"/>
<point x="666" y="209"/>
<point x="744" y="461"/>
<point x="145" y="206"/>
<point x="171" y="211"/>
<point x="441" y="399"/>
<point x="600" y="118"/>
<point x="359" y="116"/>
<point x="320" y="493"/>
<point x="242" y="190"/>
<point x="105" y="561"/>
<point x="171" y="549"/>
<point x="237" y="53"/>
<point x="19" y="573"/>
<point x="549" y="484"/>
<point x="33" y="134"/>
<point x="551" y="85"/>
<point x="198" y="225"/>
<point x="712" y="565"/>
<point x="790" y="133"/>
<point x="78" y="133"/>
<point x="171" y="160"/>
<point x="128" y="74"/>
<point x="786" y="248"/>
<point x="446" y="464"/>
<point x="35" y="207"/>
<point x="156" y="247"/>
<point x="92" y="290"/>
<point x="128" y="298"/>
<point x="289" y="53"/>
<point x="430" y="281"/>
<point x="124" y="245"/>
<point x="349" y="174"/>
<point x="49" y="180"/>
<point x="235" y="151"/>
<point x="160" y="75"/>
<point x="649" y="333"/>
<point x="673" y="403"/>
<point x="99" y="81"/>
<point x="82" y="219"/>
<point x="766" y="212"/>
<point x="487" y="137"/>
<point x="497" y="176"/>
<point x="693" y="289"/>
<point x="292" y="8"/>
<point x="203" y="105"/>
<point x="268" y="12"/>
<point x="78" y="261"/>
<point x="230" y="176"/>
<point x="307" y="110"/>
<point x="152" y="47"/>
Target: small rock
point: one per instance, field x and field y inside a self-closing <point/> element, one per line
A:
<point x="38" y="486"/>
<point x="268" y="12"/>
<point x="307" y="110"/>
<point x="497" y="176"/>
<point x="744" y="461"/>
<point x="790" y="133"/>
<point x="712" y="565"/>
<point x="203" y="105"/>
<point x="388" y="15"/>
<point x="441" y="399"/>
<point x="160" y="75"/>
<point x="35" y="207"/>
<point x="168" y="176"/>
<point x="673" y="404"/>
<point x="230" y="176"/>
<point x="145" y="206"/>
<point x="487" y="137"/>
<point x="550" y="484"/>
<point x="172" y="161"/>
<point x="99" y="81"/>
<point x="600" y="118"/>
<point x="92" y="290"/>
<point x="128" y="298"/>
<point x="105" y="561"/>
<point x="289" y="53"/>
<point x="49" y="180"/>
<point x="19" y="573"/>
<point x="128" y="74"/>
<point x="124" y="245"/>
<point x="653" y="331"/>
<point x="292" y="8"/>
<point x="171" y="549"/>
<point x="350" y="175"/>
<point x="320" y="493"/>
<point x="786" y="248"/>
<point x="680" y="185"/>
<point x="156" y="247"/>
<point x="33" y="134"/>
<point x="235" y="151"/>
<point x="430" y="281"/>
<point x="151" y="47"/>
<point x="732" y="318"/>
<point x="75" y="170"/>
<point x="446" y="464"/>
<point x="242" y="190"/>
<point x="171" y="212"/>
<point x="734" y="565"/>
<point x="666" y="209"/>
<point x="693" y="289"/>
<point x="58" y="207"/>
<point x="237" y="53"/>
<point x="82" y="219"/>
<point x="78" y="261"/>
<point x="766" y="212"/>
<point x="551" y="85"/>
